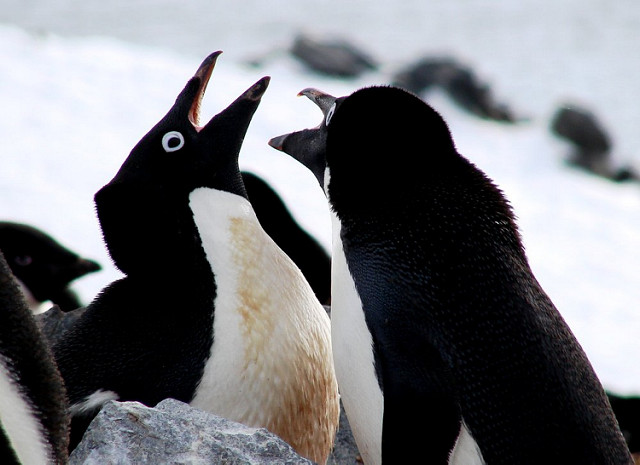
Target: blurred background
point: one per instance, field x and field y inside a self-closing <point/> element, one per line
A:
<point x="82" y="81"/>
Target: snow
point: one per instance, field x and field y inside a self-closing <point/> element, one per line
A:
<point x="77" y="91"/>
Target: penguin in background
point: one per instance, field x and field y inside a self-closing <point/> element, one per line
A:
<point x="33" y="418"/>
<point x="276" y="220"/>
<point x="44" y="268"/>
<point x="447" y="349"/>
<point x="210" y="311"/>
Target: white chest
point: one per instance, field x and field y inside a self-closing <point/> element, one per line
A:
<point x="353" y="355"/>
<point x="271" y="355"/>
<point x="355" y="368"/>
<point x="466" y="450"/>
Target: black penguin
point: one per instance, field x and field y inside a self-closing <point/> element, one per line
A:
<point x="210" y="311"/>
<point x="447" y="349"/>
<point x="276" y="220"/>
<point x="42" y="265"/>
<point x="33" y="418"/>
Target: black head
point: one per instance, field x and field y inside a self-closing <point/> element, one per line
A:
<point x="377" y="141"/>
<point x="40" y="262"/>
<point x="309" y="146"/>
<point x="144" y="210"/>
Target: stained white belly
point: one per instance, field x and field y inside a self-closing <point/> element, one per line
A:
<point x="271" y="354"/>
<point x="353" y="355"/>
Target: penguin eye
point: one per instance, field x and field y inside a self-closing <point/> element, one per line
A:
<point x="172" y="141"/>
<point x="23" y="260"/>
<point x="330" y="114"/>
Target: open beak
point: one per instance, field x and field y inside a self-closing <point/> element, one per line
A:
<point x="308" y="146"/>
<point x="202" y="77"/>
<point x="324" y="101"/>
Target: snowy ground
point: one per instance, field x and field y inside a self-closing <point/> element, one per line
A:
<point x="72" y="108"/>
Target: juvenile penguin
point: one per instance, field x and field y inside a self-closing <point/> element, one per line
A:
<point x="447" y="350"/>
<point x="33" y="417"/>
<point x="211" y="312"/>
<point x="44" y="267"/>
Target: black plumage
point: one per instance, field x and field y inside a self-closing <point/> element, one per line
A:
<point x="462" y="331"/>
<point x="27" y="361"/>
<point x="147" y="336"/>
<point x="44" y="266"/>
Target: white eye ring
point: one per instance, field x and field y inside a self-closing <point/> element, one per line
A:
<point x="330" y="114"/>
<point x="168" y="137"/>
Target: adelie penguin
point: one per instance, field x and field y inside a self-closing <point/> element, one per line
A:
<point x="44" y="267"/>
<point x="210" y="312"/>
<point x="33" y="417"/>
<point x="447" y="350"/>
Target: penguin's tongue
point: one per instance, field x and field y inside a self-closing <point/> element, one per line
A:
<point x="204" y="74"/>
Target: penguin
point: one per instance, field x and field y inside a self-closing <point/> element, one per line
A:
<point x="33" y="418"/>
<point x="446" y="347"/>
<point x="43" y="266"/>
<point x="276" y="220"/>
<point x="209" y="311"/>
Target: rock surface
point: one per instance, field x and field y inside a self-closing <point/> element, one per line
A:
<point x="332" y="57"/>
<point x="591" y="143"/>
<point x="174" y="432"/>
<point x="459" y="81"/>
<point x="54" y="322"/>
<point x="345" y="451"/>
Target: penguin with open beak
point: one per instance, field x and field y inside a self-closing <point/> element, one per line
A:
<point x="210" y="311"/>
<point x="447" y="349"/>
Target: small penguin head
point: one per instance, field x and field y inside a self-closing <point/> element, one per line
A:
<point x="375" y="142"/>
<point x="309" y="145"/>
<point x="43" y="265"/>
<point x="147" y="200"/>
<point x="180" y="153"/>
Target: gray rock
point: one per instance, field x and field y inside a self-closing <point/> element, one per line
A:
<point x="54" y="322"/>
<point x="591" y="143"/>
<point x="175" y="433"/>
<point x="332" y="57"/>
<point x="345" y="451"/>
<point x="459" y="81"/>
<point x="582" y="128"/>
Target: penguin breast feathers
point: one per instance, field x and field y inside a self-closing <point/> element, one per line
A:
<point x="271" y="360"/>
